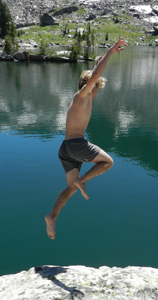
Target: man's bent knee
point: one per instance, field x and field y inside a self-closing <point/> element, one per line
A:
<point x="108" y="160"/>
<point x="103" y="157"/>
<point x="108" y="165"/>
<point x="111" y="162"/>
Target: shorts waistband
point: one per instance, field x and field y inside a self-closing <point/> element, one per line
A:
<point x="73" y="139"/>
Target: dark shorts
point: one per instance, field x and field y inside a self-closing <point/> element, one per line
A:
<point x="74" y="152"/>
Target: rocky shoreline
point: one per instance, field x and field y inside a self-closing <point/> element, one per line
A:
<point x="81" y="283"/>
<point x="26" y="57"/>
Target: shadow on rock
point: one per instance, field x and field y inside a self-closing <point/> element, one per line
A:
<point x="51" y="272"/>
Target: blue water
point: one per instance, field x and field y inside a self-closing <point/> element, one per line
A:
<point x="118" y="225"/>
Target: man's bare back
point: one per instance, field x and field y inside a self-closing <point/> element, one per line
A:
<point x="78" y="117"/>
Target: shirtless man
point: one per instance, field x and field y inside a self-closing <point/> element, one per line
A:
<point x="75" y="150"/>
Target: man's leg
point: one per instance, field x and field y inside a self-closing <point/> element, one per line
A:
<point x="103" y="162"/>
<point x="63" y="197"/>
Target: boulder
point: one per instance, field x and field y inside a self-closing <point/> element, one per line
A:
<point x="19" y="56"/>
<point x="58" y="59"/>
<point x="91" y="17"/>
<point x="47" y="19"/>
<point x="26" y="53"/>
<point x="8" y="57"/>
<point x="65" y="10"/>
<point x="136" y="15"/>
<point x="102" y="45"/>
<point x="155" y="9"/>
<point x="155" y="30"/>
<point x="37" y="57"/>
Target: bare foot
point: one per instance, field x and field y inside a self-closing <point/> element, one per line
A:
<point x="50" y="223"/>
<point x="82" y="188"/>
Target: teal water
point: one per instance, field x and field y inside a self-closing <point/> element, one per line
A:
<point x="118" y="225"/>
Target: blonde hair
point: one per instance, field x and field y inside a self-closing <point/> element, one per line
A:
<point x="85" y="76"/>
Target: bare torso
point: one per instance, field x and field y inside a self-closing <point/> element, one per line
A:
<point x="78" y="116"/>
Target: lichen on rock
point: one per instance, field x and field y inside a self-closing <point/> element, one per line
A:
<point x="80" y="282"/>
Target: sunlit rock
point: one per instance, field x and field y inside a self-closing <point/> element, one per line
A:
<point x="80" y="282"/>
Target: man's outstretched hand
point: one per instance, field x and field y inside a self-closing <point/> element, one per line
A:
<point x="117" y="47"/>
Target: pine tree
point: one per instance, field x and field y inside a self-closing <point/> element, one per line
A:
<point x="7" y="29"/>
<point x="5" y="19"/>
<point x="11" y="45"/>
<point x="42" y="49"/>
<point x="88" y="28"/>
<point x="12" y="31"/>
<point x="92" y="37"/>
<point x="8" y="46"/>
<point x="75" y="51"/>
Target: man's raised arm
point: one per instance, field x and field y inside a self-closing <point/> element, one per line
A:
<point x="101" y="65"/>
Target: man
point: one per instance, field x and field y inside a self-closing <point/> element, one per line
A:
<point x="75" y="149"/>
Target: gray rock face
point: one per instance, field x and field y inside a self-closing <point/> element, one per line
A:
<point x="27" y="12"/>
<point x="65" y="10"/>
<point x="46" y="19"/>
<point x="80" y="282"/>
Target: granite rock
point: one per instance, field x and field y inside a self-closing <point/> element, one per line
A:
<point x="80" y="282"/>
<point x="28" y="12"/>
<point x="47" y="19"/>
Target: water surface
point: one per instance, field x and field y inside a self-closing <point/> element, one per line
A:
<point x="118" y="225"/>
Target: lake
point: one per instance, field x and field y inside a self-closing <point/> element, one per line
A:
<point x="118" y="225"/>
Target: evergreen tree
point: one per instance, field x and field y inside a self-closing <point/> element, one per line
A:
<point x="8" y="46"/>
<point x="106" y="37"/>
<point x="89" y="37"/>
<point x="75" y="50"/>
<point x="12" y="31"/>
<point x="5" y="19"/>
<point x="79" y="37"/>
<point x="42" y="49"/>
<point x="92" y="37"/>
<point x="88" y="41"/>
<point x="11" y="44"/>
<point x="7" y="29"/>
<point x="88" y="28"/>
